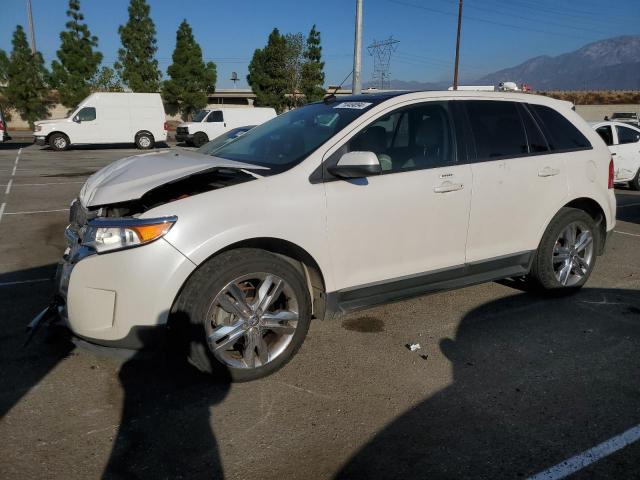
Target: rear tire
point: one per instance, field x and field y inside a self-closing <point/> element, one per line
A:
<point x="567" y="252"/>
<point x="635" y="183"/>
<point x="59" y="142"/>
<point x="200" y="139"/>
<point x="144" y="141"/>
<point x="265" y="318"/>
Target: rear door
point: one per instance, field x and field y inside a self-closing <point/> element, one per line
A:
<point x="518" y="181"/>
<point x="626" y="153"/>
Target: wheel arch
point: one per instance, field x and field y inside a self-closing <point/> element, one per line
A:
<point x="593" y="209"/>
<point x="60" y="132"/>
<point x="140" y="132"/>
<point x="297" y="256"/>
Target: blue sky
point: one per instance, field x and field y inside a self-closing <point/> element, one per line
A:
<point x="496" y="33"/>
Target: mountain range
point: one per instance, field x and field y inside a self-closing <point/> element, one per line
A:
<point x="611" y="64"/>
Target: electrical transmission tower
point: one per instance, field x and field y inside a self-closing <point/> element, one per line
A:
<point x="381" y="52"/>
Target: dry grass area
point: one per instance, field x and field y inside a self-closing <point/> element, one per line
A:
<point x="598" y="97"/>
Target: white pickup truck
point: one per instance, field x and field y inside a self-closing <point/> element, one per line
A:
<point x="212" y="122"/>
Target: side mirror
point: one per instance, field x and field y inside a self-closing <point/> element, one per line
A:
<point x="356" y="165"/>
<point x="77" y="119"/>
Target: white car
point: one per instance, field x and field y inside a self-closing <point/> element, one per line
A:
<point x="107" y="117"/>
<point x="332" y="207"/>
<point x="210" y="123"/>
<point x="624" y="142"/>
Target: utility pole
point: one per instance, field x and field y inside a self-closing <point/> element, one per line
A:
<point x="381" y="52"/>
<point x="455" y="72"/>
<point x="31" y="33"/>
<point x="356" y="85"/>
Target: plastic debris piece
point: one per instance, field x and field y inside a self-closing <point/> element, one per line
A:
<point x="414" y="347"/>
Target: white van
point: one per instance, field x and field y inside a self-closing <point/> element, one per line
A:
<point x="212" y="122"/>
<point x="107" y="117"/>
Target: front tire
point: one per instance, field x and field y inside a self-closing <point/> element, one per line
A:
<point x="635" y="183"/>
<point x="200" y="139"/>
<point x="59" y="142"/>
<point x="567" y="252"/>
<point x="243" y="314"/>
<point x="144" y="141"/>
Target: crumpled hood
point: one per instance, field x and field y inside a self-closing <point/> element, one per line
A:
<point x="132" y="177"/>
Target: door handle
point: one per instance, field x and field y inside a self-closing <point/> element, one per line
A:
<point x="448" y="187"/>
<point x="613" y="154"/>
<point x="548" y="172"/>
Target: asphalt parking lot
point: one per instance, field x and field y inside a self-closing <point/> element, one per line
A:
<point x="506" y="384"/>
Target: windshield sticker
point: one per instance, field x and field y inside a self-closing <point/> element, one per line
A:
<point x="354" y="105"/>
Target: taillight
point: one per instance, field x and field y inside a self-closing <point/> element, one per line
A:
<point x="166" y="125"/>
<point x="611" y="173"/>
<point x="1" y="125"/>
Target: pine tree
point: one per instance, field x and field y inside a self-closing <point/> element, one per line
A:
<point x="190" y="78"/>
<point x="312" y="79"/>
<point x="106" y="80"/>
<point x="78" y="62"/>
<point x="267" y="73"/>
<point x="137" y="65"/>
<point x="27" y="78"/>
<point x="4" y="67"/>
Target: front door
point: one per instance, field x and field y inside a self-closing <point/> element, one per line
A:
<point x="413" y="217"/>
<point x="86" y="127"/>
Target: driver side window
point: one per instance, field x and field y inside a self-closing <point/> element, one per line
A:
<point x="87" y="114"/>
<point x="411" y="138"/>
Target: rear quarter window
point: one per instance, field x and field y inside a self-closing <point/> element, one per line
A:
<point x="561" y="133"/>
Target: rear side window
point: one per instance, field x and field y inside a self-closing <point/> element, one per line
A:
<point x="535" y="138"/>
<point x="215" y="116"/>
<point x="560" y="132"/>
<point x="627" y="135"/>
<point x="497" y="129"/>
<point x="606" y="134"/>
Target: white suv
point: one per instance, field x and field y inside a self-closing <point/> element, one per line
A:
<point x="332" y="207"/>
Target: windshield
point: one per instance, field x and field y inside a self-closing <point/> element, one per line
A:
<point x="286" y="140"/>
<point x="210" y="147"/>
<point x="198" y="117"/>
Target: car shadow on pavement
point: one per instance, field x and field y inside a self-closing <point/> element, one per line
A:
<point x="23" y="367"/>
<point x="628" y="207"/>
<point x="165" y="429"/>
<point x="535" y="381"/>
<point x="111" y="146"/>
<point x="14" y="145"/>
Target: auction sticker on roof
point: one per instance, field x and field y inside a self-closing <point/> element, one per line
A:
<point x="354" y="105"/>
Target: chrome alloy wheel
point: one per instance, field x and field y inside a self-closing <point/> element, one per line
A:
<point x="573" y="254"/>
<point x="252" y="320"/>
<point x="144" y="141"/>
<point x="60" y="143"/>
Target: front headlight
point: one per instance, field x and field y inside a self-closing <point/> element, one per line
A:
<point x="38" y="128"/>
<point x="106" y="235"/>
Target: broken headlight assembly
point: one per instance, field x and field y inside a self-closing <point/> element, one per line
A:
<point x="109" y="234"/>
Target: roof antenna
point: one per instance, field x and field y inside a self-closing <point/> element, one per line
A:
<point x="332" y="96"/>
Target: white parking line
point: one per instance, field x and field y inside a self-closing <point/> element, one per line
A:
<point x="586" y="458"/>
<point x="2" y="210"/>
<point x="37" y="211"/>
<point x="35" y="280"/>
<point x="6" y="192"/>
<point x="627" y="233"/>
<point x="39" y="184"/>
<point x="629" y="205"/>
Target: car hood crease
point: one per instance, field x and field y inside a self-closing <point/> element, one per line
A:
<point x="130" y="178"/>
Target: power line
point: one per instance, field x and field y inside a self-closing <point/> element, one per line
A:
<point x="476" y="19"/>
